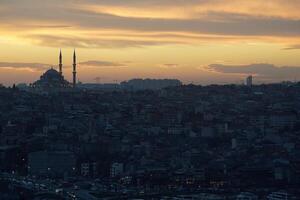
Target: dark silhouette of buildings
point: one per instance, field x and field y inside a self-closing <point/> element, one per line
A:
<point x="151" y="142"/>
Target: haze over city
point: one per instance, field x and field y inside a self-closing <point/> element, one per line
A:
<point x="199" y="41"/>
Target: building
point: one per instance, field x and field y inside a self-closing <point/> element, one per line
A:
<point x="51" y="163"/>
<point x="117" y="169"/>
<point x="88" y="169"/>
<point x="54" y="80"/>
<point x="51" y="79"/>
<point x="246" y="196"/>
<point x="10" y="157"/>
<point x="149" y="84"/>
<point x="281" y="195"/>
<point x="249" y="81"/>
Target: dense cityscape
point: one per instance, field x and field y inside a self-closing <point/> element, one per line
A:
<point x="178" y="142"/>
<point x="149" y="100"/>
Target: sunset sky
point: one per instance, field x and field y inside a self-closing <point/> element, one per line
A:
<point x="200" y="41"/>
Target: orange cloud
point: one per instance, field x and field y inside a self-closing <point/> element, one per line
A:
<point x="196" y="9"/>
<point x="110" y="24"/>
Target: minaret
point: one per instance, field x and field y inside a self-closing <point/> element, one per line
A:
<point x="74" y="69"/>
<point x="60" y="63"/>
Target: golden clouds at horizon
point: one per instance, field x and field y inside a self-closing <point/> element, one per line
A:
<point x="81" y="38"/>
<point x="86" y="24"/>
<point x="186" y="34"/>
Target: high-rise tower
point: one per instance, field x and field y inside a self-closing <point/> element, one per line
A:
<point x="74" y="69"/>
<point x="249" y="81"/>
<point x="60" y="63"/>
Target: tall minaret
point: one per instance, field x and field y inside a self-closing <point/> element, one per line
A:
<point x="74" y="69"/>
<point x="60" y="63"/>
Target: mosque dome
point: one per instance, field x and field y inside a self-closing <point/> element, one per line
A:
<point x="51" y="79"/>
<point x="52" y="73"/>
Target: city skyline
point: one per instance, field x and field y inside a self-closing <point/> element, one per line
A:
<point x="199" y="41"/>
<point x="149" y="99"/>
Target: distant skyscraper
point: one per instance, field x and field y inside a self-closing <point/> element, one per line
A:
<point x="249" y="81"/>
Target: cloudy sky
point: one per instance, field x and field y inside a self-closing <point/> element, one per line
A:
<point x="200" y="41"/>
